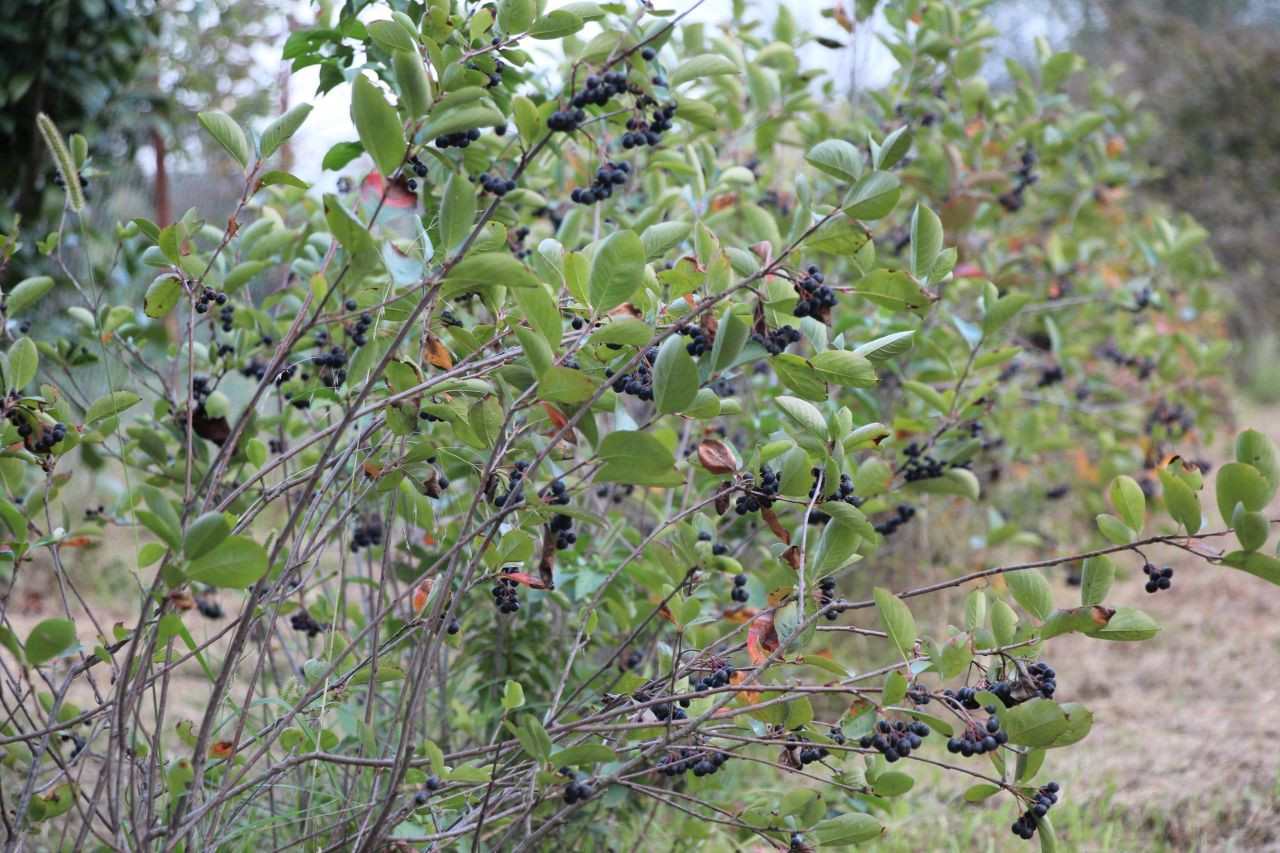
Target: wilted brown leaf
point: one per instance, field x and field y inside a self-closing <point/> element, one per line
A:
<point x="716" y="456"/>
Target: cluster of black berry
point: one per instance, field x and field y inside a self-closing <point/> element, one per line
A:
<point x="562" y="526"/>
<point x="919" y="465"/>
<point x="777" y="340"/>
<point x="50" y="437"/>
<point x="615" y="493"/>
<point x="756" y="497"/>
<point x="649" y="132"/>
<point x="902" y="514"/>
<point x="1043" y="682"/>
<point x="566" y="121"/>
<point x="305" y="622"/>
<point x="606" y="178"/>
<point x="518" y="248"/>
<point x="226" y="314"/>
<point x="897" y="740"/>
<point x="638" y="384"/>
<point x="515" y="492"/>
<point x="1023" y="178"/>
<point x="1175" y="419"/>
<point x="1141" y="365"/>
<point x="1157" y="579"/>
<point x="1025" y="826"/>
<point x="689" y="759"/>
<point x="1050" y="375"/>
<point x="209" y="608"/>
<point x="94" y="512"/>
<point x="429" y="787"/>
<point x="814" y="295"/>
<point x="717" y="548"/>
<point x="826" y="595"/>
<point x="719" y="677"/>
<point x="600" y="89"/>
<point x="698" y="343"/>
<point x="207" y="295"/>
<point x="359" y="332"/>
<point x="419" y="168"/>
<point x="843" y="494"/>
<point x="979" y="740"/>
<point x="461" y="139"/>
<point x="332" y="363"/>
<point x="505" y="596"/>
<point x="667" y="711"/>
<point x="368" y="535"/>
<point x="808" y="753"/>
<point x="496" y="185"/>
<point x="576" y="791"/>
<point x="740" y="593"/>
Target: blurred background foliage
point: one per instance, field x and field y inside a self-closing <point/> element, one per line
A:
<point x="130" y="74"/>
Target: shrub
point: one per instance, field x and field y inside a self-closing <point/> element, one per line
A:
<point x="542" y="480"/>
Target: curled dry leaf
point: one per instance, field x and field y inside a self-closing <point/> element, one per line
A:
<point x="371" y="469"/>
<point x="437" y="354"/>
<point x="722" y="499"/>
<point x="421" y="593"/>
<point x="182" y="599"/>
<point x="739" y="615"/>
<point x="526" y="579"/>
<point x="771" y="519"/>
<point x="547" y="561"/>
<point x="716" y="456"/>
<point x="793" y="557"/>
<point x="762" y="638"/>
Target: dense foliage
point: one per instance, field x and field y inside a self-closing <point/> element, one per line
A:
<point x="573" y="475"/>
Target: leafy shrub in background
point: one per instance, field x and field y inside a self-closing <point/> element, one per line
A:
<point x="576" y="472"/>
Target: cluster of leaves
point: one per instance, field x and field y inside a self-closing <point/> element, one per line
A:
<point x="384" y="406"/>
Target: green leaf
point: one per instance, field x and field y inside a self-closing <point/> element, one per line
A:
<point x="162" y="296"/>
<point x="457" y="211"/>
<point x="488" y="269"/>
<point x="1032" y="591"/>
<point x="842" y="367"/>
<point x="349" y="231"/>
<point x="110" y="404"/>
<point x="851" y="828"/>
<point x="837" y="158"/>
<point x="954" y="481"/>
<point x="703" y="65"/>
<point x="1251" y="448"/>
<point x="236" y="562"/>
<point x="413" y="83"/>
<point x="1181" y="502"/>
<point x="1096" y="576"/>
<point x="623" y="329"/>
<point x="379" y="127"/>
<point x="561" y="384"/>
<point x="515" y="16"/>
<point x="981" y="791"/>
<point x="892" y="784"/>
<point x="730" y="339"/>
<point x="675" y="377"/>
<point x="1086" y="619"/>
<point x="1079" y="723"/>
<point x="1251" y="528"/>
<point x="204" y="534"/>
<point x="616" y="270"/>
<point x="458" y="119"/>
<point x="282" y="129"/>
<point x="1241" y="483"/>
<point x="1127" y="625"/>
<point x="637" y="458"/>
<point x="555" y="24"/>
<point x="390" y="36"/>
<point x="278" y="177"/>
<point x="662" y="237"/>
<point x="1259" y="565"/>
<point x="1003" y="310"/>
<point x="926" y="241"/>
<point x="836" y="547"/>
<point x="582" y="754"/>
<point x="887" y="346"/>
<point x="805" y="415"/>
<point x="1130" y="503"/>
<point x="893" y="289"/>
<point x="27" y="292"/>
<point x="224" y="129"/>
<point x="874" y="196"/>
<point x="512" y="695"/>
<point x="1034" y="723"/>
<point x="1115" y="529"/>
<point x="49" y="639"/>
<point x="24" y="360"/>
<point x="896" y="618"/>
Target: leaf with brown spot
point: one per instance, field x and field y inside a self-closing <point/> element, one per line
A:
<point x="557" y="417"/>
<point x="182" y="600"/>
<point x="222" y="749"/>
<point x="76" y="542"/>
<point x="437" y="354"/>
<point x="771" y="519"/>
<point x="780" y="595"/>
<point x="793" y="557"/>
<point x="526" y="579"/>
<point x="371" y="469"/>
<point x="762" y="638"/>
<point x="664" y="611"/>
<point x="710" y="325"/>
<point x="627" y="309"/>
<point x="739" y="615"/>
<point x="430" y="486"/>
<point x="724" y="202"/>
<point x="216" y="429"/>
<point x="716" y="456"/>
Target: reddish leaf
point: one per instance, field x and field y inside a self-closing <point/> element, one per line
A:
<point x="716" y="456"/>
<point x="762" y="638"/>
<point x="422" y="593"/>
<point x="739" y="615"/>
<point x="771" y="519"/>
<point x="793" y="557"/>
<point x="371" y="469"/>
<point x="557" y="417"/>
<point x="437" y="355"/>
<point x="526" y="579"/>
<point x="76" y="542"/>
<point x="222" y="749"/>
